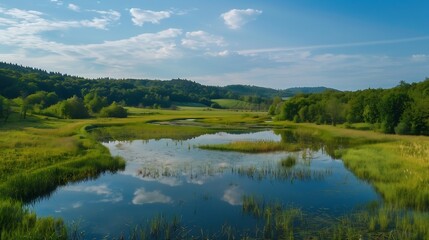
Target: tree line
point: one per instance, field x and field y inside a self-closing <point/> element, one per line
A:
<point x="403" y="109"/>
<point x="61" y="95"/>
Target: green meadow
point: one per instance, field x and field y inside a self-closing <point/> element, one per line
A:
<point x="39" y="154"/>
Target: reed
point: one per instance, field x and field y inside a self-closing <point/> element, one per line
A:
<point x="251" y="146"/>
<point x="288" y="162"/>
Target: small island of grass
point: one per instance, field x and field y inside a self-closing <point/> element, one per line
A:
<point x="251" y="146"/>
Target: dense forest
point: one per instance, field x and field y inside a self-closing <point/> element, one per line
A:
<point x="66" y="96"/>
<point x="62" y="95"/>
<point x="403" y="109"/>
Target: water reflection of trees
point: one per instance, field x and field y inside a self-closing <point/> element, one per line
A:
<point x="283" y="174"/>
<point x="274" y="171"/>
<point x="309" y="140"/>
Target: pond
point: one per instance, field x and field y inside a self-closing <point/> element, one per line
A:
<point x="204" y="189"/>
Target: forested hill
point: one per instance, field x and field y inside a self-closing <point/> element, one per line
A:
<point x="270" y="93"/>
<point x="18" y="81"/>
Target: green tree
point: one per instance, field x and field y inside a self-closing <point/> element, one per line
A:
<point x="356" y="109"/>
<point x="94" y="102"/>
<point x="114" y="110"/>
<point x="392" y="106"/>
<point x="274" y="107"/>
<point x="334" y="109"/>
<point x="73" y="108"/>
<point x="24" y="107"/>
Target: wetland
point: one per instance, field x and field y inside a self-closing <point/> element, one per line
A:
<point x="221" y="176"/>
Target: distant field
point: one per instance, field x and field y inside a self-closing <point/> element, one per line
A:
<point x="235" y="104"/>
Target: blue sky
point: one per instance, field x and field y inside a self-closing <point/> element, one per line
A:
<point x="341" y="44"/>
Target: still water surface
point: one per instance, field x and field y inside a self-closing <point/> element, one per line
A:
<point x="203" y="188"/>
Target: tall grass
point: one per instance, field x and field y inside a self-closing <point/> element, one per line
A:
<point x="397" y="173"/>
<point x="18" y="223"/>
<point x="369" y="222"/>
<point x="251" y="146"/>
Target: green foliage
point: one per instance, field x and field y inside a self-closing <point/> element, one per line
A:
<point x="288" y="162"/>
<point x="5" y="108"/>
<point x="402" y="110"/>
<point x="72" y="108"/>
<point x="114" y="110"/>
<point x="251" y="147"/>
<point x="18" y="223"/>
<point x="392" y="106"/>
<point x="216" y="105"/>
<point x="94" y="102"/>
<point x="240" y="104"/>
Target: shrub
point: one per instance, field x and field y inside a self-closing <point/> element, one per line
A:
<point x="114" y="110"/>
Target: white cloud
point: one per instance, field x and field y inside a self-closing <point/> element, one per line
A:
<point x="77" y="205"/>
<point x="201" y="40"/>
<point x="224" y="53"/>
<point x="233" y="195"/>
<point x="140" y="17"/>
<point x="236" y="18"/>
<point x="105" y="19"/>
<point x="141" y="196"/>
<point x="332" y="46"/>
<point x="419" y="57"/>
<point x="21" y="36"/>
<point x="342" y="71"/>
<point x="99" y="189"/>
<point x="102" y="190"/>
<point x="73" y="7"/>
<point x="57" y="2"/>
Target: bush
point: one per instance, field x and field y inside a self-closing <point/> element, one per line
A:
<point x="72" y="108"/>
<point x="216" y="105"/>
<point x="114" y="110"/>
<point x="403" y="128"/>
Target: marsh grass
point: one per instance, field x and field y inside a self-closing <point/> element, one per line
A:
<point x="282" y="174"/>
<point x="373" y="221"/>
<point x="251" y="146"/>
<point x="399" y="174"/>
<point x="288" y="162"/>
<point x="26" y="225"/>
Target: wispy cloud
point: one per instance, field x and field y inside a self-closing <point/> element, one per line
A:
<point x="223" y="53"/>
<point x="419" y="57"/>
<point x="233" y="195"/>
<point x="73" y="7"/>
<point x="17" y="32"/>
<point x="102" y="190"/>
<point x="328" y="46"/>
<point x="105" y="19"/>
<point x="58" y="2"/>
<point x="141" y="196"/>
<point x="236" y="18"/>
<point x="341" y="71"/>
<point x="202" y="40"/>
<point x="140" y="16"/>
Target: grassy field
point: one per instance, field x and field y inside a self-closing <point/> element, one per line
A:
<point x="39" y="154"/>
<point x="235" y="104"/>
